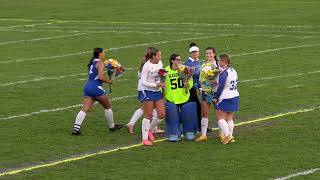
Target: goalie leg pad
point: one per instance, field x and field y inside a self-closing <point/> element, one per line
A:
<point x="172" y="119"/>
<point x="189" y="117"/>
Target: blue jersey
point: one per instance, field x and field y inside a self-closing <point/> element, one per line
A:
<point x="93" y="74"/>
<point x="196" y="74"/>
<point x="93" y="87"/>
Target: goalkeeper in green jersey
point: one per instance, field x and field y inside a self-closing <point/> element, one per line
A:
<point x="179" y="110"/>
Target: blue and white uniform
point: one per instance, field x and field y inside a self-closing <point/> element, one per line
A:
<point x="196" y="73"/>
<point x="227" y="93"/>
<point x="148" y="82"/>
<point x="93" y="87"/>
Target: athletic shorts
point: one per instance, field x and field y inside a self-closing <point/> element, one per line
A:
<point x="149" y="95"/>
<point x="93" y="91"/>
<point x="228" y="105"/>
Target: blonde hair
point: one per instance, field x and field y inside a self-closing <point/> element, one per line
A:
<point x="225" y="58"/>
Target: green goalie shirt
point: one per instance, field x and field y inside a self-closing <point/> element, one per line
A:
<point x="175" y="91"/>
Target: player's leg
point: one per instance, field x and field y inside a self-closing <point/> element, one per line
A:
<point x="205" y="106"/>
<point x="230" y="124"/>
<point x="104" y="101"/>
<point x="189" y="116"/>
<point x="145" y="128"/>
<point x="157" y="114"/>
<point x="135" y="117"/>
<point x="87" y="104"/>
<point x="172" y="122"/>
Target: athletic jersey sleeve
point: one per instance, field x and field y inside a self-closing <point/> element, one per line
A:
<point x="221" y="83"/>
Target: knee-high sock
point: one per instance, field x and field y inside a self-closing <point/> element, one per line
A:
<point x="109" y="117"/>
<point x="145" y="128"/>
<point x="231" y="126"/>
<point x="223" y="125"/>
<point x="79" y="119"/>
<point x="154" y="123"/>
<point x="136" y="116"/>
<point x="204" y="126"/>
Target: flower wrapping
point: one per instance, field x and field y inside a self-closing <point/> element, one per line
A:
<point x="208" y="74"/>
<point x="114" y="70"/>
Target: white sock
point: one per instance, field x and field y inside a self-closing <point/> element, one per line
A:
<point x="231" y="126"/>
<point x="154" y="113"/>
<point x="145" y="128"/>
<point x="154" y="123"/>
<point x="223" y="125"/>
<point x="109" y="117"/>
<point x="204" y="126"/>
<point x="136" y="116"/>
<point x="79" y="119"/>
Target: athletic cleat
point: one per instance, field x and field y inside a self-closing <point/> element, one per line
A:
<point x="130" y="128"/>
<point x="227" y="139"/>
<point x="151" y="136"/>
<point x="116" y="127"/>
<point x="173" y="138"/>
<point x="189" y="136"/>
<point x="232" y="139"/>
<point x="76" y="132"/>
<point x="222" y="137"/>
<point x="147" y="143"/>
<point x="201" y="138"/>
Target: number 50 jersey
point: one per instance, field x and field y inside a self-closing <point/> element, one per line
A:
<point x="175" y="91"/>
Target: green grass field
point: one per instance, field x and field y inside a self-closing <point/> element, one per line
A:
<point x="44" y="49"/>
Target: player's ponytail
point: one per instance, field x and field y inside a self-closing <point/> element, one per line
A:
<point x="96" y="52"/>
<point x="145" y="58"/>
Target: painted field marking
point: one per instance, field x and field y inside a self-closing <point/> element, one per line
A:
<point x="40" y="39"/>
<point x="59" y="109"/>
<point x="276" y="49"/>
<point x="311" y="171"/>
<point x="162" y="23"/>
<point x="111" y="49"/>
<point x="176" y="28"/>
<point x="12" y="172"/>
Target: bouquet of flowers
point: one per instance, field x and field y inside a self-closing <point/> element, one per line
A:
<point x="208" y="74"/>
<point x="162" y="74"/>
<point x="185" y="73"/>
<point x="114" y="70"/>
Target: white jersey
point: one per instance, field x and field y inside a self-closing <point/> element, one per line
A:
<point x="228" y="89"/>
<point x="139" y="81"/>
<point x="150" y="77"/>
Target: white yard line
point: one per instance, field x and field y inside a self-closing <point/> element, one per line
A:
<point x="58" y="109"/>
<point x="126" y="147"/>
<point x="115" y="48"/>
<point x="27" y="25"/>
<point x="281" y="76"/>
<point x="162" y="23"/>
<point x="276" y="49"/>
<point x="155" y="43"/>
<point x="295" y="86"/>
<point x="124" y="97"/>
<point x="85" y="28"/>
<point x="311" y="171"/>
<point x="40" y="39"/>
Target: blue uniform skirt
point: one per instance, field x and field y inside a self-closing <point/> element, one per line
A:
<point x="93" y="91"/>
<point x="149" y="95"/>
<point x="228" y="105"/>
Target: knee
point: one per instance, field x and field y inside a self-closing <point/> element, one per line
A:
<point x="161" y="115"/>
